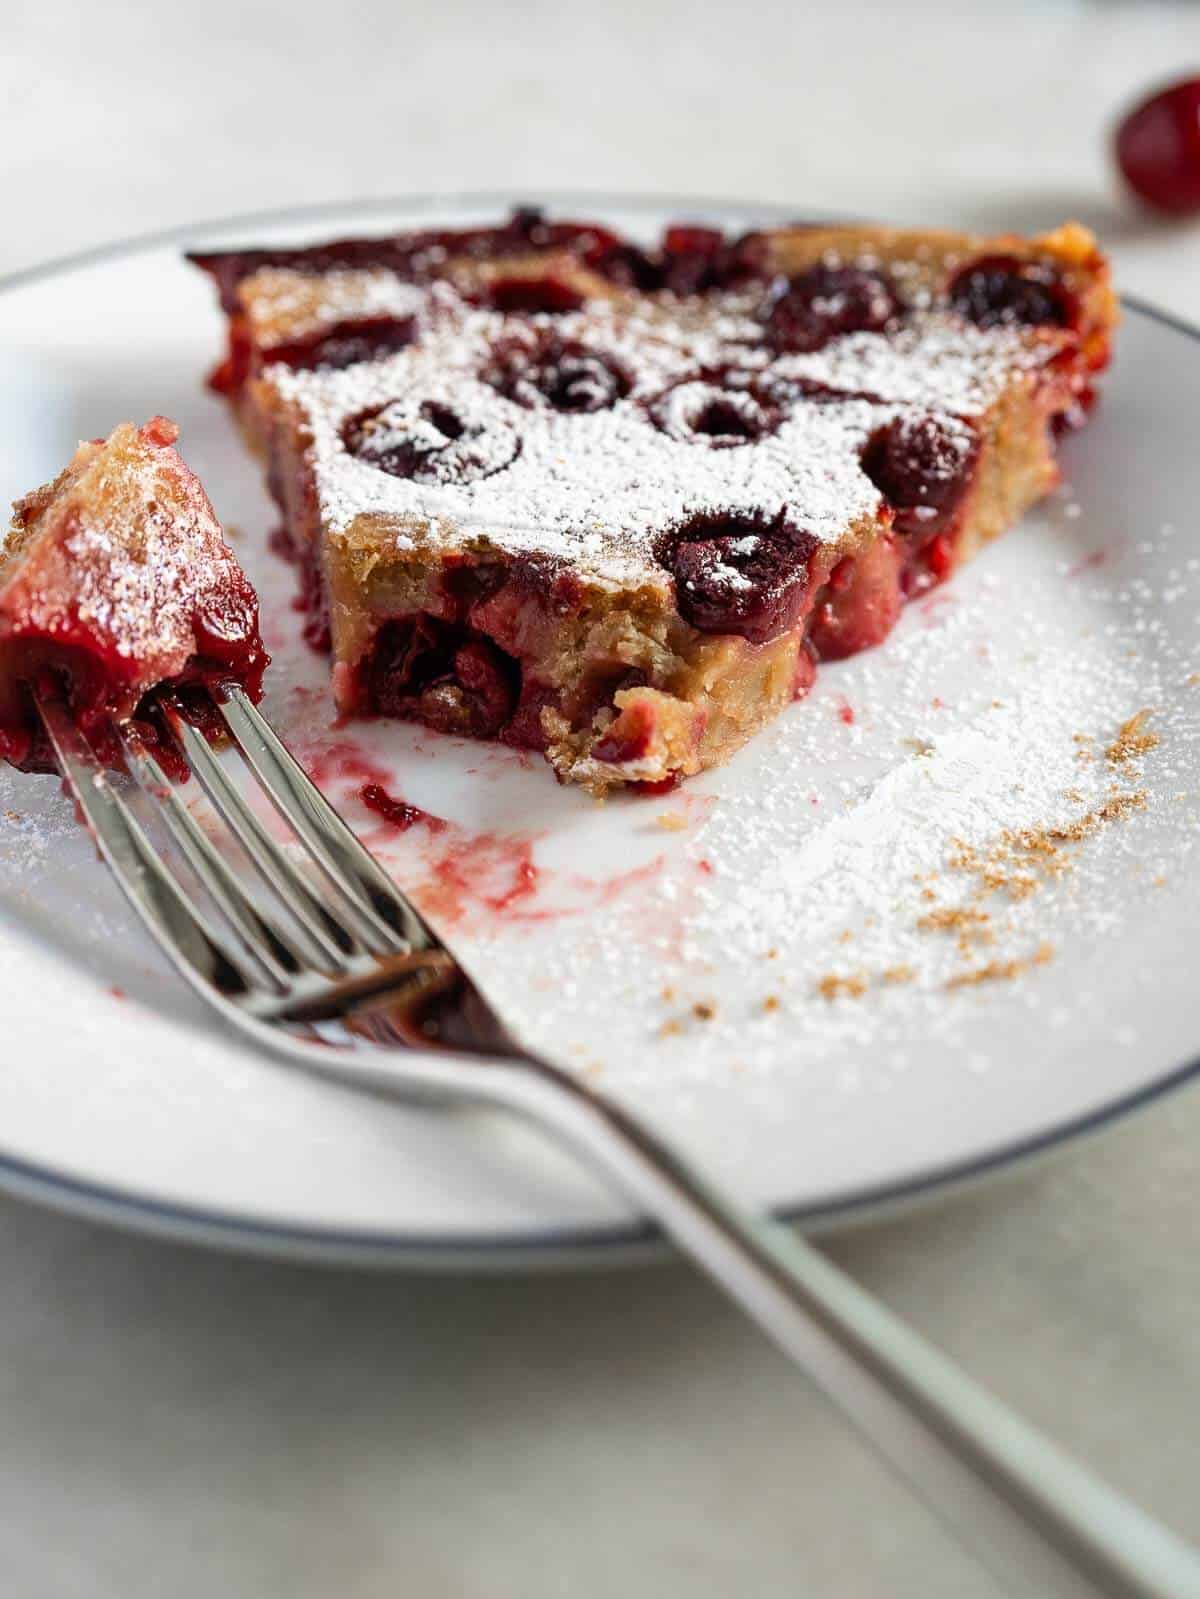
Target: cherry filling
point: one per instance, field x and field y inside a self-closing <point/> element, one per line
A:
<point x="432" y="444"/>
<point x="362" y="339"/>
<point x="803" y="313"/>
<point x="739" y="573"/>
<point x="1003" y="291"/>
<point x="720" y="409"/>
<point x="443" y="674"/>
<point x="566" y="374"/>
<point x="922" y="466"/>
<point x="548" y="294"/>
<point x="693" y="259"/>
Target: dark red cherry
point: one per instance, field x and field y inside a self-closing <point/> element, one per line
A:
<point x="528" y="295"/>
<point x="719" y="409"/>
<point x="1158" y="148"/>
<point x="693" y="258"/>
<point x="431" y="444"/>
<point x="805" y="312"/>
<point x="739" y="573"/>
<point x="564" y="373"/>
<point x="1002" y="291"/>
<point x="367" y="339"/>
<point x="430" y="671"/>
<point x="922" y="466"/>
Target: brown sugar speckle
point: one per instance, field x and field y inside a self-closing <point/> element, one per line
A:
<point x="898" y="974"/>
<point x="703" y="1011"/>
<point x="953" y="919"/>
<point x="998" y="971"/>
<point x="835" y="986"/>
<point x="1133" y="740"/>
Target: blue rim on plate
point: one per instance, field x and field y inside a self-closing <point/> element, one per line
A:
<point x="550" y="1246"/>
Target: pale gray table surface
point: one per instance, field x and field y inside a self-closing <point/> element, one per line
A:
<point x="179" y="1423"/>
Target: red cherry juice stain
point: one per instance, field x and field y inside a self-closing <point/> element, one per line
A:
<point x="341" y="759"/>
<point x="846" y="712"/>
<point x="482" y="871"/>
<point x="118" y="993"/>
<point x="1090" y="563"/>
<point x="933" y="608"/>
<point x="610" y="888"/>
<point x="706" y="866"/>
<point x="461" y="876"/>
<point x="398" y="813"/>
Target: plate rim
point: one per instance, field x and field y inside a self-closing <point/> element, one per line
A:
<point x="550" y="1246"/>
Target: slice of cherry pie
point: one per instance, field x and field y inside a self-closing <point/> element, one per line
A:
<point x="116" y="580"/>
<point x="615" y="504"/>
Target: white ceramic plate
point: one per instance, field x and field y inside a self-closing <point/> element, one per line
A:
<point x="683" y="946"/>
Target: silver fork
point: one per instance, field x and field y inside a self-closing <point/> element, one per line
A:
<point x="350" y="981"/>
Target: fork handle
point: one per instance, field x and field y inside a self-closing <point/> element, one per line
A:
<point x="1043" y="1525"/>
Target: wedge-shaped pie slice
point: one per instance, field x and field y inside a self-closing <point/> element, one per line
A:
<point x="615" y="505"/>
<point x="116" y="580"/>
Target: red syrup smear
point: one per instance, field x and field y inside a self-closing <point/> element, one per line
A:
<point x="1089" y="563"/>
<point x="488" y="870"/>
<point x="398" y="813"/>
<point x="846" y="713"/>
<point x="342" y="759"/>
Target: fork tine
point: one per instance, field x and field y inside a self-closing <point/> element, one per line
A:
<point x="265" y="940"/>
<point x="348" y="865"/>
<point x="337" y="942"/>
<point x="181" y="931"/>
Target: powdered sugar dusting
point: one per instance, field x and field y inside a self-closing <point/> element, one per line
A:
<point x="598" y="489"/>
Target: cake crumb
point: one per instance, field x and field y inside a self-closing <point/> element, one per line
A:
<point x="703" y="1011"/>
<point x="771" y="1003"/>
<point x="1133" y="740"/>
<point x="669" y="1029"/>
<point x="671" y="821"/>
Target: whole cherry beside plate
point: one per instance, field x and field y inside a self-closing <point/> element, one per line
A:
<point x="1158" y="148"/>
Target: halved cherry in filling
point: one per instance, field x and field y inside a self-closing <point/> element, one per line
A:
<point x="803" y="313"/>
<point x="432" y="443"/>
<point x="444" y="675"/>
<point x="352" y="341"/>
<point x="720" y="408"/>
<point x="566" y="374"/>
<point x="1004" y="291"/>
<point x="532" y="294"/>
<point x="739" y="573"/>
<point x="922" y="465"/>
